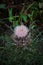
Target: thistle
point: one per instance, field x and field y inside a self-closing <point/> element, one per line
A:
<point x="21" y="35"/>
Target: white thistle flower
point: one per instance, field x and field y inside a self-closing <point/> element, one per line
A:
<point x="21" y="35"/>
<point x="21" y="31"/>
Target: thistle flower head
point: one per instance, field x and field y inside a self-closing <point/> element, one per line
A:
<point x="21" y="31"/>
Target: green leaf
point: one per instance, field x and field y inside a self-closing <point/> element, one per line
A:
<point x="24" y="17"/>
<point x="30" y="16"/>
<point x="11" y="18"/>
<point x="15" y="23"/>
<point x="33" y="27"/>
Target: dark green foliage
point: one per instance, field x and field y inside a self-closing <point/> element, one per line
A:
<point x="30" y="55"/>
